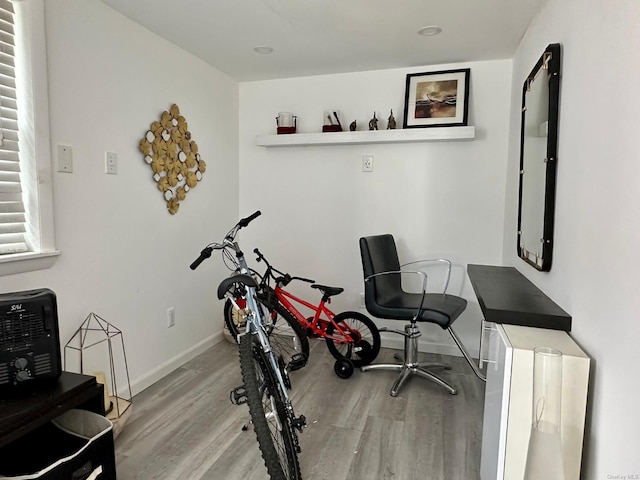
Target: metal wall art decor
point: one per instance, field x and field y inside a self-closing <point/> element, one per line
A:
<point x="173" y="156"/>
<point x="437" y="99"/>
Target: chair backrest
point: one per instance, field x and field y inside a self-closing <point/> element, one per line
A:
<point x="379" y="255"/>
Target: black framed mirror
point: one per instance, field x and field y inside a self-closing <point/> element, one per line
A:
<point x="539" y="160"/>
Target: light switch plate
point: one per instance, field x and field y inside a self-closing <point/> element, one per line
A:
<point x="65" y="161"/>
<point x="111" y="163"/>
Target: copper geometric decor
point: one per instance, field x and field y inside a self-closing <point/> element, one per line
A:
<point x="173" y="156"/>
<point x="97" y="348"/>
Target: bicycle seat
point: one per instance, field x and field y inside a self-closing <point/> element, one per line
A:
<point x="328" y="291"/>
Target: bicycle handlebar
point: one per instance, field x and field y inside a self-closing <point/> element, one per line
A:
<point x="246" y="221"/>
<point x="260" y="257"/>
<point x="302" y="279"/>
<point x="229" y="237"/>
<point x="204" y="254"/>
<point x="285" y="278"/>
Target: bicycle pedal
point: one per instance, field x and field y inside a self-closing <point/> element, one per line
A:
<point x="284" y="372"/>
<point x="299" y="423"/>
<point x="238" y="396"/>
<point x="297" y="361"/>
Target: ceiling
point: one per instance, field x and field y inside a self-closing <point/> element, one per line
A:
<point x="315" y="37"/>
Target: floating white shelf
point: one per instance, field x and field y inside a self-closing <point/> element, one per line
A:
<point x="433" y="134"/>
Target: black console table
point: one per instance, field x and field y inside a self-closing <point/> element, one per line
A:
<point x="24" y="411"/>
<point x="507" y="296"/>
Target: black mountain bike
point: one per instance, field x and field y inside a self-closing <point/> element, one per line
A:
<point x="265" y="372"/>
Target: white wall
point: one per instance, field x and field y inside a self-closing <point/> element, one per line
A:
<point x="124" y="256"/>
<point x="436" y="198"/>
<point x="594" y="274"/>
<point x="126" y="259"/>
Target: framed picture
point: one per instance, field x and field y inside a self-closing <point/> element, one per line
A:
<point x="437" y="99"/>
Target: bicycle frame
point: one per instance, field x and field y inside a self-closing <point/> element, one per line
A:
<point x="255" y="325"/>
<point x="286" y="298"/>
<point x="242" y="287"/>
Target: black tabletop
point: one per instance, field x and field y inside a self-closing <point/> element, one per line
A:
<point x="507" y="296"/>
<point x="22" y="410"/>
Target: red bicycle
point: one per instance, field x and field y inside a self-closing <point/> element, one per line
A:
<point x="352" y="338"/>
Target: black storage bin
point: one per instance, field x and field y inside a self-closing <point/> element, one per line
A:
<point x="77" y="445"/>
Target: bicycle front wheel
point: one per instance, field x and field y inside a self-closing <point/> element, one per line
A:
<point x="271" y="423"/>
<point x="365" y="344"/>
<point x="286" y="335"/>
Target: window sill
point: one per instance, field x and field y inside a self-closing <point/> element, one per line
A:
<point x="27" y="262"/>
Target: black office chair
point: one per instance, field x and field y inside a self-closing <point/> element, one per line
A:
<point x="385" y="298"/>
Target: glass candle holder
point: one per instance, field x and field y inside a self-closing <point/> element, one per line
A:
<point x="544" y="455"/>
<point x="286" y="122"/>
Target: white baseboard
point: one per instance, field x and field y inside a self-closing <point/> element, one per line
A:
<point x="164" y="369"/>
<point x="397" y="342"/>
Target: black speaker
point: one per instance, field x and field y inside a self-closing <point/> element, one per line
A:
<point x="29" y="337"/>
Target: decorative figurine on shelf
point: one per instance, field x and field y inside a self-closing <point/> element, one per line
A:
<point x="392" y="122"/>
<point x="352" y="126"/>
<point x="332" y="121"/>
<point x="373" y="123"/>
<point x="335" y="115"/>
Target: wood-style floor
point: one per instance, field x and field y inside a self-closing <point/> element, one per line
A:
<point x="184" y="426"/>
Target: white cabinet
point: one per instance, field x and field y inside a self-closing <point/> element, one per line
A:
<point x="508" y="399"/>
<point x="496" y="402"/>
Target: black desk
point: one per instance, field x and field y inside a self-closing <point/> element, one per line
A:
<point x="24" y="416"/>
<point x="23" y="412"/>
<point x="507" y="296"/>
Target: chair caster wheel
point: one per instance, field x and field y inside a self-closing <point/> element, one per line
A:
<point x="343" y="368"/>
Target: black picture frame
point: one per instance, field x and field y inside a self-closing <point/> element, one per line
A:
<point x="437" y="99"/>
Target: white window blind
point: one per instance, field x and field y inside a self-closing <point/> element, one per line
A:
<point x="12" y="212"/>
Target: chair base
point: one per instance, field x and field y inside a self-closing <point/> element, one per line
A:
<point x="410" y="365"/>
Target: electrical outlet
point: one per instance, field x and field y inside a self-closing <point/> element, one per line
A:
<point x="171" y="317"/>
<point x="110" y="163"/>
<point x="367" y="163"/>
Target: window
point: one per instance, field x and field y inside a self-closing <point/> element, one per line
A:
<point x="26" y="205"/>
<point x="12" y="217"/>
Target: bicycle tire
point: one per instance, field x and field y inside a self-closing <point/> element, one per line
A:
<point x="287" y="337"/>
<point x="276" y="439"/>
<point x="366" y="332"/>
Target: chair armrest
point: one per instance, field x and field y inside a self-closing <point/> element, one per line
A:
<point x="435" y="260"/>
<point x="402" y="272"/>
<point x="396" y="272"/>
